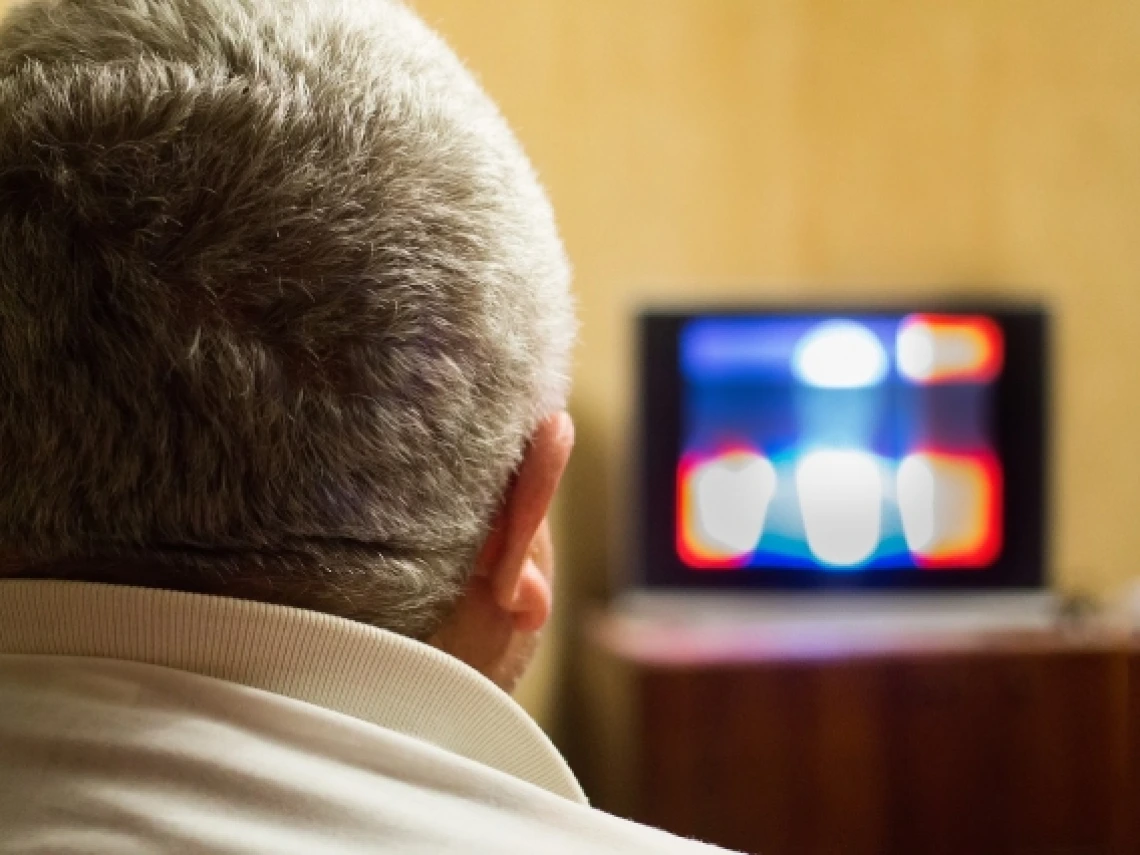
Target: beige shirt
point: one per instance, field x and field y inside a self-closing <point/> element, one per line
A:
<point x="135" y="720"/>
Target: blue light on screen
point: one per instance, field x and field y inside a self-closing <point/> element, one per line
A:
<point x="794" y="430"/>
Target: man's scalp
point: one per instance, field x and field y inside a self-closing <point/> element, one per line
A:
<point x="277" y="286"/>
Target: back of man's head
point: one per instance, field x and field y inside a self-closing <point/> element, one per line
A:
<point x="280" y="303"/>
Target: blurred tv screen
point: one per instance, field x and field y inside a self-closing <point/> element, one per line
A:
<point x="827" y="443"/>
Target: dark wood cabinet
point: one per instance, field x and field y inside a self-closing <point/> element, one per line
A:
<point x="1024" y="743"/>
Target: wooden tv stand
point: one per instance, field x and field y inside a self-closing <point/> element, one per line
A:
<point x="994" y="742"/>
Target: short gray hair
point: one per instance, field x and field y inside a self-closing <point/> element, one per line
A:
<point x="281" y="301"/>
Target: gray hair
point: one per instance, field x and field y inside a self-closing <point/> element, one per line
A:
<point x="281" y="301"/>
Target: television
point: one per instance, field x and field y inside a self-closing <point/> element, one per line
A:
<point x="885" y="447"/>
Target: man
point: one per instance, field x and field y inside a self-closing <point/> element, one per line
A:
<point x="284" y="333"/>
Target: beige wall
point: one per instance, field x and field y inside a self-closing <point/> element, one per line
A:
<point x="728" y="149"/>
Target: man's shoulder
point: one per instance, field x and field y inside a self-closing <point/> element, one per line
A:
<point x="158" y="758"/>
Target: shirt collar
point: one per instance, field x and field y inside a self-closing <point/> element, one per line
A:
<point x="348" y="667"/>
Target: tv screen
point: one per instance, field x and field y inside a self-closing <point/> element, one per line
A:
<point x="813" y="447"/>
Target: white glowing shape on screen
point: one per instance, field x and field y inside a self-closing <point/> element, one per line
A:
<point x="946" y="504"/>
<point x="916" y="496"/>
<point x="926" y="352"/>
<point x="841" y="497"/>
<point x="915" y="351"/>
<point x="731" y="496"/>
<point x="839" y="355"/>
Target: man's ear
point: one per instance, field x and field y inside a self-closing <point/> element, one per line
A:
<point x="516" y="558"/>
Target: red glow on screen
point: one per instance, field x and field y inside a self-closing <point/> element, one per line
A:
<point x="949" y="349"/>
<point x="722" y="500"/>
<point x="951" y="505"/>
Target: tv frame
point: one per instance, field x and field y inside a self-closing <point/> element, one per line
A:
<point x="1021" y="437"/>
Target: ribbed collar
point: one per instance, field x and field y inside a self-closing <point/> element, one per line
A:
<point x="338" y="664"/>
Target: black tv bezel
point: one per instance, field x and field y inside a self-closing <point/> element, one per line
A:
<point x="1021" y="437"/>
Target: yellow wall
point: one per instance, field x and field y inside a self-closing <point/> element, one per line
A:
<point x="730" y="149"/>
